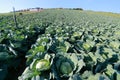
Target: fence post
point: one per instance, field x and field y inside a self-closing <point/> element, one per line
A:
<point x="14" y="17"/>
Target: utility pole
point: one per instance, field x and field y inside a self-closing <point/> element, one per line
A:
<point x="14" y="17"/>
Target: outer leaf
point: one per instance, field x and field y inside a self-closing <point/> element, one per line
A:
<point x="75" y="77"/>
<point x="27" y="74"/>
<point x="3" y="72"/>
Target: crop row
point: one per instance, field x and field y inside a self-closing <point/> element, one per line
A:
<point x="60" y="45"/>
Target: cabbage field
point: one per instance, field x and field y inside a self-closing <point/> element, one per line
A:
<point x="60" y="45"/>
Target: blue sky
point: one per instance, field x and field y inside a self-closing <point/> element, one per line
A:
<point x="96" y="5"/>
